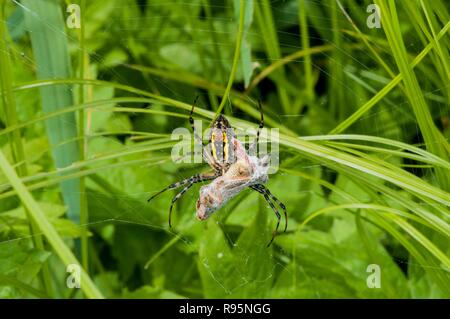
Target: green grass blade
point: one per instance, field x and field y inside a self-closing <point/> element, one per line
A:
<point x="46" y="227"/>
<point x="303" y="23"/>
<point x="84" y="216"/>
<point x="391" y="85"/>
<point x="432" y="136"/>
<point x="45" y="22"/>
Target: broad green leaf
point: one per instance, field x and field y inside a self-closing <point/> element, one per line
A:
<point x="49" y="42"/>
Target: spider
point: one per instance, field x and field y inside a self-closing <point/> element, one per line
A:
<point x="233" y="170"/>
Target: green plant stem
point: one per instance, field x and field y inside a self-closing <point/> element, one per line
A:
<point x="236" y="56"/>
<point x="285" y="60"/>
<point x="84" y="214"/>
<point x="337" y="95"/>
<point x="309" y="84"/>
<point x="46" y="227"/>
<point x="366" y="41"/>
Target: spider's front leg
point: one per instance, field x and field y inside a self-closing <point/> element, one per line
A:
<point x="188" y="182"/>
<point x="191" y="121"/>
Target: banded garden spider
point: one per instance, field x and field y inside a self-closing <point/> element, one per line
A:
<point x="233" y="170"/>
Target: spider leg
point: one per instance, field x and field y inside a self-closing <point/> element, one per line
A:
<point x="268" y="200"/>
<point x="261" y="122"/>
<point x="278" y="219"/>
<point x="206" y="151"/>
<point x="191" y="121"/>
<point x="175" y="198"/>
<point x="258" y="132"/>
<point x="193" y="179"/>
<point x="276" y="200"/>
<point x="268" y="196"/>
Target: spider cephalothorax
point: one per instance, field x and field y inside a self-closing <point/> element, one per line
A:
<point x="233" y="171"/>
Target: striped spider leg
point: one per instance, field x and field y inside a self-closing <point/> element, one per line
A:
<point x="270" y="198"/>
<point x="254" y="146"/>
<point x="207" y="155"/>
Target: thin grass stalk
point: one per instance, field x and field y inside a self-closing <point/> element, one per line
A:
<point x="434" y="140"/>
<point x="263" y="14"/>
<point x="337" y="104"/>
<point x="378" y="58"/>
<point x="84" y="214"/>
<point x="342" y="126"/>
<point x="217" y="52"/>
<point x="443" y="55"/>
<point x="304" y="33"/>
<point x="441" y="52"/>
<point x="236" y="56"/>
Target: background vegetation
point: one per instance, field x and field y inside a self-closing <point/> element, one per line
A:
<point x="87" y="114"/>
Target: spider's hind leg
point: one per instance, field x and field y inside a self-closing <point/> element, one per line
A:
<point x="175" y="198"/>
<point x="276" y="200"/>
<point x="269" y="197"/>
